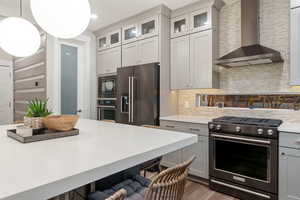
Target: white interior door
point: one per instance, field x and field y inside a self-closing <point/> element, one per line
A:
<point x="6" y="92"/>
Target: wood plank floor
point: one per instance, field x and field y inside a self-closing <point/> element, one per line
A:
<point x="197" y="191"/>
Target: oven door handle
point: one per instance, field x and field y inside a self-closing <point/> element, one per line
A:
<point x="241" y="139"/>
<point x="241" y="189"/>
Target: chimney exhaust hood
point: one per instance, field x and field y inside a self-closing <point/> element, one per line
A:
<point x="251" y="52"/>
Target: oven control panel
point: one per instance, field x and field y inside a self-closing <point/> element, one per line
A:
<point x="242" y="129"/>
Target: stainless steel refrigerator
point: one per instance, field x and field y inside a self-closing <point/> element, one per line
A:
<point x="138" y="95"/>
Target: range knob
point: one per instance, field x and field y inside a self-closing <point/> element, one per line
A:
<point x="218" y="127"/>
<point x="270" y="132"/>
<point x="260" y="131"/>
<point x="211" y="126"/>
<point x="238" y="129"/>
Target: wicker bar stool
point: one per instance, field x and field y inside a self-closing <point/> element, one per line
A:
<point x="169" y="184"/>
<point x="119" y="195"/>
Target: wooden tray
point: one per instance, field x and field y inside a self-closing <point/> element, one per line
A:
<point x="40" y="135"/>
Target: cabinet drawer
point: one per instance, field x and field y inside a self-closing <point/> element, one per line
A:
<point x="289" y="140"/>
<point x="199" y="129"/>
<point x="169" y="125"/>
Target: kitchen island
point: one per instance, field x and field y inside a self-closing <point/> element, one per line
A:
<point x="45" y="169"/>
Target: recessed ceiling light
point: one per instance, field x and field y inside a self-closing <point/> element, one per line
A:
<point x="94" y="16"/>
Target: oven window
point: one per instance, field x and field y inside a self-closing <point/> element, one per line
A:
<point x="108" y="114"/>
<point x="240" y="158"/>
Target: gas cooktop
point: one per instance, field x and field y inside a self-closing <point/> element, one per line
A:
<point x="249" y="121"/>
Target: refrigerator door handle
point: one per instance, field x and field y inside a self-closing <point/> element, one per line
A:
<point x="129" y="99"/>
<point x="132" y="98"/>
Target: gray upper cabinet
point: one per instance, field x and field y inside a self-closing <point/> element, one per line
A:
<point x="295" y="47"/>
<point x="148" y="50"/>
<point x="114" y="38"/>
<point x="201" y="60"/>
<point x="110" y="40"/>
<point x="194" y="46"/>
<point x="200" y="20"/>
<point x="180" y="63"/>
<point x="192" y="64"/>
<point x="148" y="27"/>
<point x="140" y="52"/>
<point x="179" y="25"/>
<point x="130" y="33"/>
<point x="102" y="42"/>
<point x="130" y="54"/>
<point x="108" y="61"/>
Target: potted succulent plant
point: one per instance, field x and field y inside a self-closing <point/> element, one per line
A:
<point x="36" y="111"/>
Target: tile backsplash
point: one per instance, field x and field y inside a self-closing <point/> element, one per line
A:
<point x="260" y="79"/>
<point x="272" y="101"/>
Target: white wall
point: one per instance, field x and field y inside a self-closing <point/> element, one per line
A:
<point x="89" y="85"/>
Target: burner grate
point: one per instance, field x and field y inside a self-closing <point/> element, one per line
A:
<point x="249" y="121"/>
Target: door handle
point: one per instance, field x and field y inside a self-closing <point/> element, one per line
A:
<point x="129" y="99"/>
<point x="132" y="98"/>
<point x="79" y="111"/>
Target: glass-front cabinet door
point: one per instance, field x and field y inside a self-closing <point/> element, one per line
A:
<point x="102" y="42"/>
<point x="130" y="33"/>
<point x="200" y="20"/>
<point x="115" y="38"/>
<point x="148" y="27"/>
<point x="179" y="26"/>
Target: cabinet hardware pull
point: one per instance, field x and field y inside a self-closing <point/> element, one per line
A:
<point x="194" y="129"/>
<point x="282" y="153"/>
<point x="168" y="126"/>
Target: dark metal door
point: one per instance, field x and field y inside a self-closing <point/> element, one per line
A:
<point x="123" y="94"/>
<point x="145" y="92"/>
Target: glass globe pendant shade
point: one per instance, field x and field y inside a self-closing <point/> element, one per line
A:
<point x="62" y="18"/>
<point x="19" y="37"/>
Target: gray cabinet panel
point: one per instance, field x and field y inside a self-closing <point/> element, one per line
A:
<point x="289" y="175"/>
<point x="199" y="167"/>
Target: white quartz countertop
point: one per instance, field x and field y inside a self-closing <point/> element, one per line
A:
<point x="286" y="126"/>
<point x="41" y="170"/>
<point x="291" y="127"/>
<point x="189" y="119"/>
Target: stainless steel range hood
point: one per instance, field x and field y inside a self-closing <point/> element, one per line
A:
<point x="251" y="52"/>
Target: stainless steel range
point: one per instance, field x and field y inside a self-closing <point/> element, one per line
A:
<point x="243" y="157"/>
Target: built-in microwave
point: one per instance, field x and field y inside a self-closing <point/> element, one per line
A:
<point x="107" y="87"/>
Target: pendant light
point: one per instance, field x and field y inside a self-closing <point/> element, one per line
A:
<point x="19" y="37"/>
<point x="62" y="18"/>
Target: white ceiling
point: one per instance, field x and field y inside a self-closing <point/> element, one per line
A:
<point x="109" y="11"/>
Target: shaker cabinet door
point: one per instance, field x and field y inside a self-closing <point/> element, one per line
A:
<point x="289" y="176"/>
<point x="199" y="167"/>
<point x="130" y="54"/>
<point x="201" y="64"/>
<point x="148" y="50"/>
<point x="180" y="70"/>
<point x="108" y="60"/>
